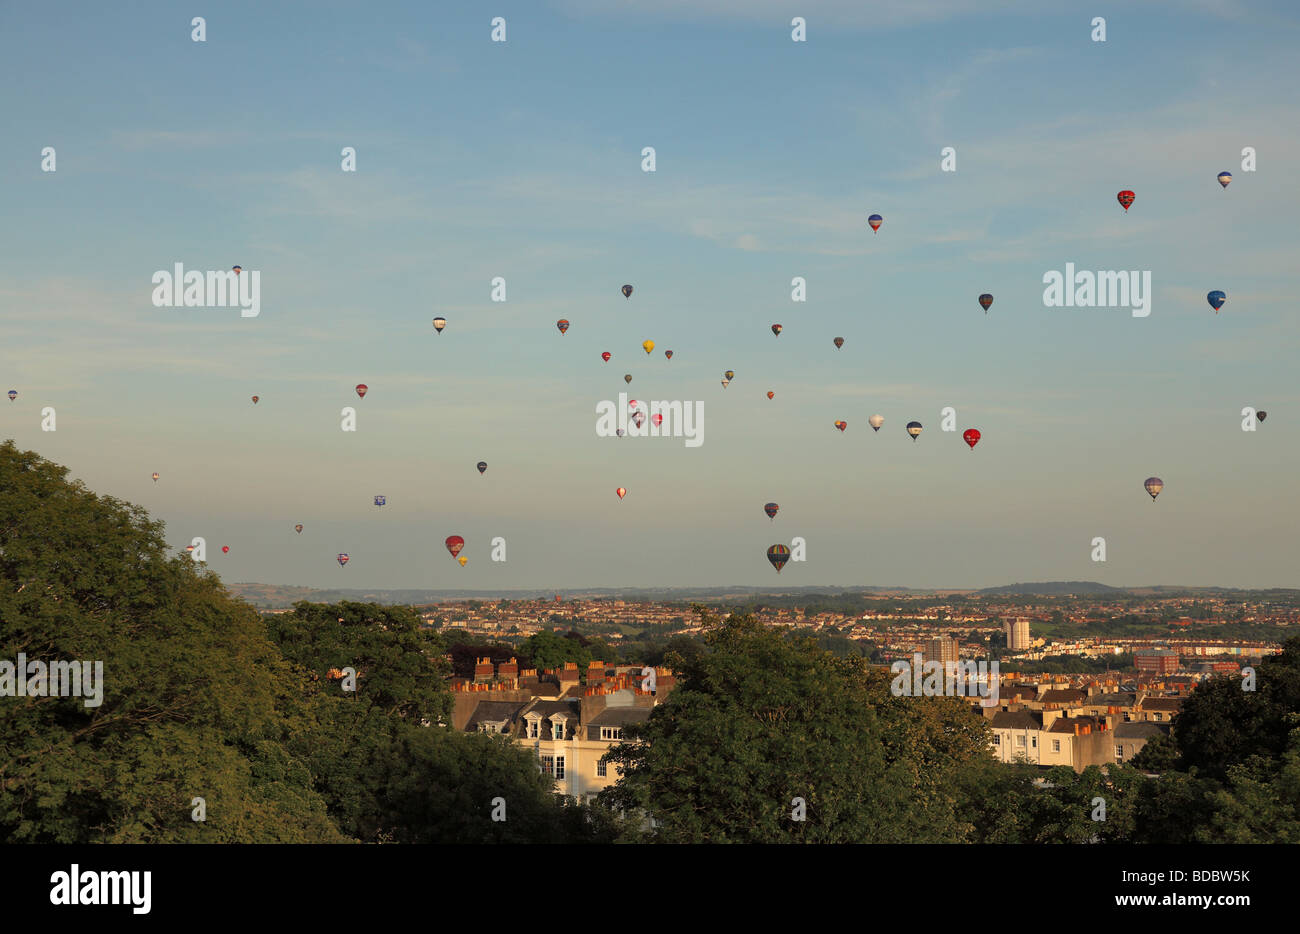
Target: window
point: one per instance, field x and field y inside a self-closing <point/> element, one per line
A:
<point x="1160" y="716"/>
<point x="1020" y="740"/>
<point x="1056" y="745"/>
<point x="548" y="765"/>
<point x="557" y="729"/>
<point x="611" y="732"/>
<point x="602" y="770"/>
<point x="1033" y="741"/>
<point x="997" y="740"/>
<point x="1119" y="753"/>
<point x="559" y="766"/>
<point x="532" y="729"/>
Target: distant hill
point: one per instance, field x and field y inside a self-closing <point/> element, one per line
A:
<point x="1053" y="589"/>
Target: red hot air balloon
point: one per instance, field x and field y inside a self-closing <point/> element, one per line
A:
<point x="777" y="329"/>
<point x="621" y="491"/>
<point x="454" y="544"/>
<point x="841" y="425"/>
<point x="562" y="324"/>
<point x="605" y="356"/>
<point x="255" y="398"/>
<point x="657" y="419"/>
<point x="971" y="436"/>
<point x="770" y="394"/>
<point x="225" y="549"/>
<point x="1125" y="199"/>
<point x="362" y="389"/>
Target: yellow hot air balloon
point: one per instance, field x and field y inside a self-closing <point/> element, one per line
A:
<point x="648" y="345"/>
<point x="463" y="560"/>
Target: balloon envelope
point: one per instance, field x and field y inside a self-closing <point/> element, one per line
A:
<point x="255" y="400"/>
<point x="13" y="394"/>
<point x="841" y="425"/>
<point x="730" y="374"/>
<point x="298" y="528"/>
<point x="225" y="549"/>
<point x="454" y="544"/>
<point x="1126" y="199"/>
<point x="1216" y="299"/>
<point x="875" y="220"/>
<point x="647" y="346"/>
<point x="725" y="383"/>
<point x="463" y="560"/>
<point x="1153" y="486"/>
<point x="362" y="389"/>
<point x="1224" y="178"/>
<point x="971" y="436"/>
<point x="343" y="559"/>
<point x="621" y="491"/>
<point x="777" y="329"/>
<point x="237" y="269"/>
<point x="986" y="300"/>
<point x="770" y="394"/>
<point x="1261" y="415"/>
<point x="839" y="342"/>
<point x="778" y="555"/>
<point x="562" y="324"/>
<point x="627" y="291"/>
<point x="381" y="500"/>
<point x="627" y="377"/>
<point x="605" y="356"/>
<point x="482" y="466"/>
<point x="770" y="509"/>
<point x="439" y="324"/>
<point x="155" y="478"/>
<point x="668" y="354"/>
<point x="913" y="429"/>
<point x="876" y="421"/>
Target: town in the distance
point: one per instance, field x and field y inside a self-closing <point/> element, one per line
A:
<point x="1085" y="674"/>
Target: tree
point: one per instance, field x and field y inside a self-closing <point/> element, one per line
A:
<point x="196" y="700"/>
<point x="549" y="650"/>
<point x="762" y="719"/>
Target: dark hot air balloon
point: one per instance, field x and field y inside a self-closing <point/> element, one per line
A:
<point x="839" y="342"/>
<point x="627" y="377"/>
<point x="841" y="425"/>
<point x="482" y="466"/>
<point x="668" y="354"/>
<point x="562" y="324"/>
<point x="13" y="394"/>
<point x="255" y="400"/>
<point x="770" y="509"/>
<point x="913" y="429"/>
<point x="778" y="555"/>
<point x="1261" y="415"/>
<point x="627" y="291"/>
<point x="1216" y="300"/>
<point x="381" y="500"/>
<point x="985" y="301"/>
<point x="777" y="329"/>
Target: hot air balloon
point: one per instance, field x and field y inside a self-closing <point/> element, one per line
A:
<point x="657" y="419"/>
<point x="627" y="377"/>
<point x="621" y="491"/>
<point x="1261" y="415"/>
<point x="632" y="405"/>
<point x="237" y="269"/>
<point x="1154" y="485"/>
<point x="1224" y="178"/>
<point x="668" y="354"/>
<point x="155" y="478"/>
<point x="619" y="432"/>
<point x="298" y="528"/>
<point x="343" y="559"/>
<point x="875" y="220"/>
<point x="13" y="394"/>
<point x="725" y="382"/>
<point x="730" y="374"/>
<point x="381" y="500"/>
<point x="1216" y="300"/>
<point x="770" y="394"/>
<point x="255" y="400"/>
<point x="439" y="324"/>
<point x="189" y="547"/>
<point x="482" y="466"/>
<point x="627" y="291"/>
<point x="876" y="421"/>
<point x="647" y="346"/>
<point x="913" y="429"/>
<point x="986" y="300"/>
<point x="841" y="425"/>
<point x="839" y="342"/>
<point x="777" y="329"/>
<point x="463" y="560"/>
<point x="638" y="418"/>
<point x="454" y="544"/>
<point x="362" y="389"/>
<point x="971" y="436"/>
<point x="562" y="324"/>
<point x="605" y="356"/>
<point x="778" y="555"/>
<point x="770" y="509"/>
<point x="1126" y="199"/>
<point x="225" y="549"/>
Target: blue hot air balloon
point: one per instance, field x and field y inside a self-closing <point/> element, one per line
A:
<point x="1224" y="178"/>
<point x="381" y="500"/>
<point x="1216" y="300"/>
<point x="13" y="394"/>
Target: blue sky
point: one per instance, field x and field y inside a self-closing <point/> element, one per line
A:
<point x="522" y="160"/>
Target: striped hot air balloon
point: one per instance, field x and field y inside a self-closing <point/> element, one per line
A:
<point x="778" y="555"/>
<point x="1153" y="486"/>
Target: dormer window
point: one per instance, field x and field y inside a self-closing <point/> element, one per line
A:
<point x="557" y="729"/>
<point x="611" y="732"/>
